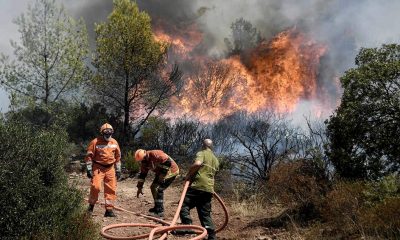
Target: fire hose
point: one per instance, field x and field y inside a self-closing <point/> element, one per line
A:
<point x="157" y="229"/>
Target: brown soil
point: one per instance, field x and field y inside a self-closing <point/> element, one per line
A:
<point x="238" y="227"/>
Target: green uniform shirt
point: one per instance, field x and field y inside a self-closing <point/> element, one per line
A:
<point x="204" y="178"/>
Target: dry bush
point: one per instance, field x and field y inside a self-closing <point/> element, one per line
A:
<point x="301" y="185"/>
<point x="383" y="219"/>
<point x="342" y="206"/>
<point x="368" y="209"/>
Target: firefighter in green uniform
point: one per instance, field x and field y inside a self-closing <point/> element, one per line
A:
<point x="201" y="175"/>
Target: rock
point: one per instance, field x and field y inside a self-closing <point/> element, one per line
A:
<point x="73" y="175"/>
<point x="75" y="167"/>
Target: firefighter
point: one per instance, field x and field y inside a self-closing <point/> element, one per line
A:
<point x="165" y="170"/>
<point x="199" y="194"/>
<point x="103" y="165"/>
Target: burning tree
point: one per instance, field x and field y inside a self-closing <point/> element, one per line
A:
<point x="211" y="90"/>
<point x="275" y="74"/>
<point x="129" y="64"/>
<point x="244" y="37"/>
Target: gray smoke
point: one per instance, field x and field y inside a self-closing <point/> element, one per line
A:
<point x="343" y="26"/>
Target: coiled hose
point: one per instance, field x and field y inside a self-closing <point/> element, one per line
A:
<point x="157" y="229"/>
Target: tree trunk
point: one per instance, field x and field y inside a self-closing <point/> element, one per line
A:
<point x="46" y="73"/>
<point x="126" y="132"/>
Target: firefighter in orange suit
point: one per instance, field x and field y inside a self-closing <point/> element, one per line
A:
<point x="165" y="170"/>
<point x="103" y="165"/>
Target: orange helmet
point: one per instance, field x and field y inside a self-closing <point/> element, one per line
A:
<point x="106" y="126"/>
<point x="140" y="154"/>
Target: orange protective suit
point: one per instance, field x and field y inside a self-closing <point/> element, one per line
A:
<point x="103" y="155"/>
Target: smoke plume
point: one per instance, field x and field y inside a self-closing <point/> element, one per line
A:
<point x="342" y="26"/>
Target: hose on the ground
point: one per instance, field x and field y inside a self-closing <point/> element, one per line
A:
<point x="157" y="229"/>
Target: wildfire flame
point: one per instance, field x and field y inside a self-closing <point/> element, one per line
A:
<point x="277" y="75"/>
<point x="182" y="40"/>
<point x="285" y="69"/>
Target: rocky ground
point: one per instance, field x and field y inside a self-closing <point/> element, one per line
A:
<point x="239" y="227"/>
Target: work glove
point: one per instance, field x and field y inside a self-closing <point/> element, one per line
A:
<point x="139" y="191"/>
<point x="139" y="187"/>
<point x="89" y="170"/>
<point x="118" y="170"/>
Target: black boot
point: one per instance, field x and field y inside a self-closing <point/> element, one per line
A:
<point x="211" y="235"/>
<point x="157" y="214"/>
<point x="152" y="210"/>
<point x="109" y="213"/>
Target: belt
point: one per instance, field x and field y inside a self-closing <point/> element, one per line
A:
<point x="104" y="165"/>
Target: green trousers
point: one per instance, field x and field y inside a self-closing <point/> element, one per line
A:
<point x="200" y="200"/>
<point x="157" y="190"/>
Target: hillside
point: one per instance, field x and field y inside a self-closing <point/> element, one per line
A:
<point x="240" y="226"/>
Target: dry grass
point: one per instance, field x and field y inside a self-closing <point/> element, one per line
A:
<point x="363" y="210"/>
<point x="246" y="203"/>
<point x="250" y="207"/>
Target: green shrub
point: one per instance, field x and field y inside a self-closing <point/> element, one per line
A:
<point x="223" y="178"/>
<point x="380" y="212"/>
<point x="131" y="165"/>
<point x="378" y="191"/>
<point x="153" y="133"/>
<point x="35" y="197"/>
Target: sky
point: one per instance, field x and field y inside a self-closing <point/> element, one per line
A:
<point x="11" y="9"/>
<point x="342" y="24"/>
<point x="8" y="11"/>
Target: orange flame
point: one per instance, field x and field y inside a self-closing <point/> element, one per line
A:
<point x="285" y="69"/>
<point x="278" y="74"/>
<point x="212" y="91"/>
<point x="182" y="40"/>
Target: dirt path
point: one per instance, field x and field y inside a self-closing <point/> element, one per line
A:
<point x="126" y="192"/>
